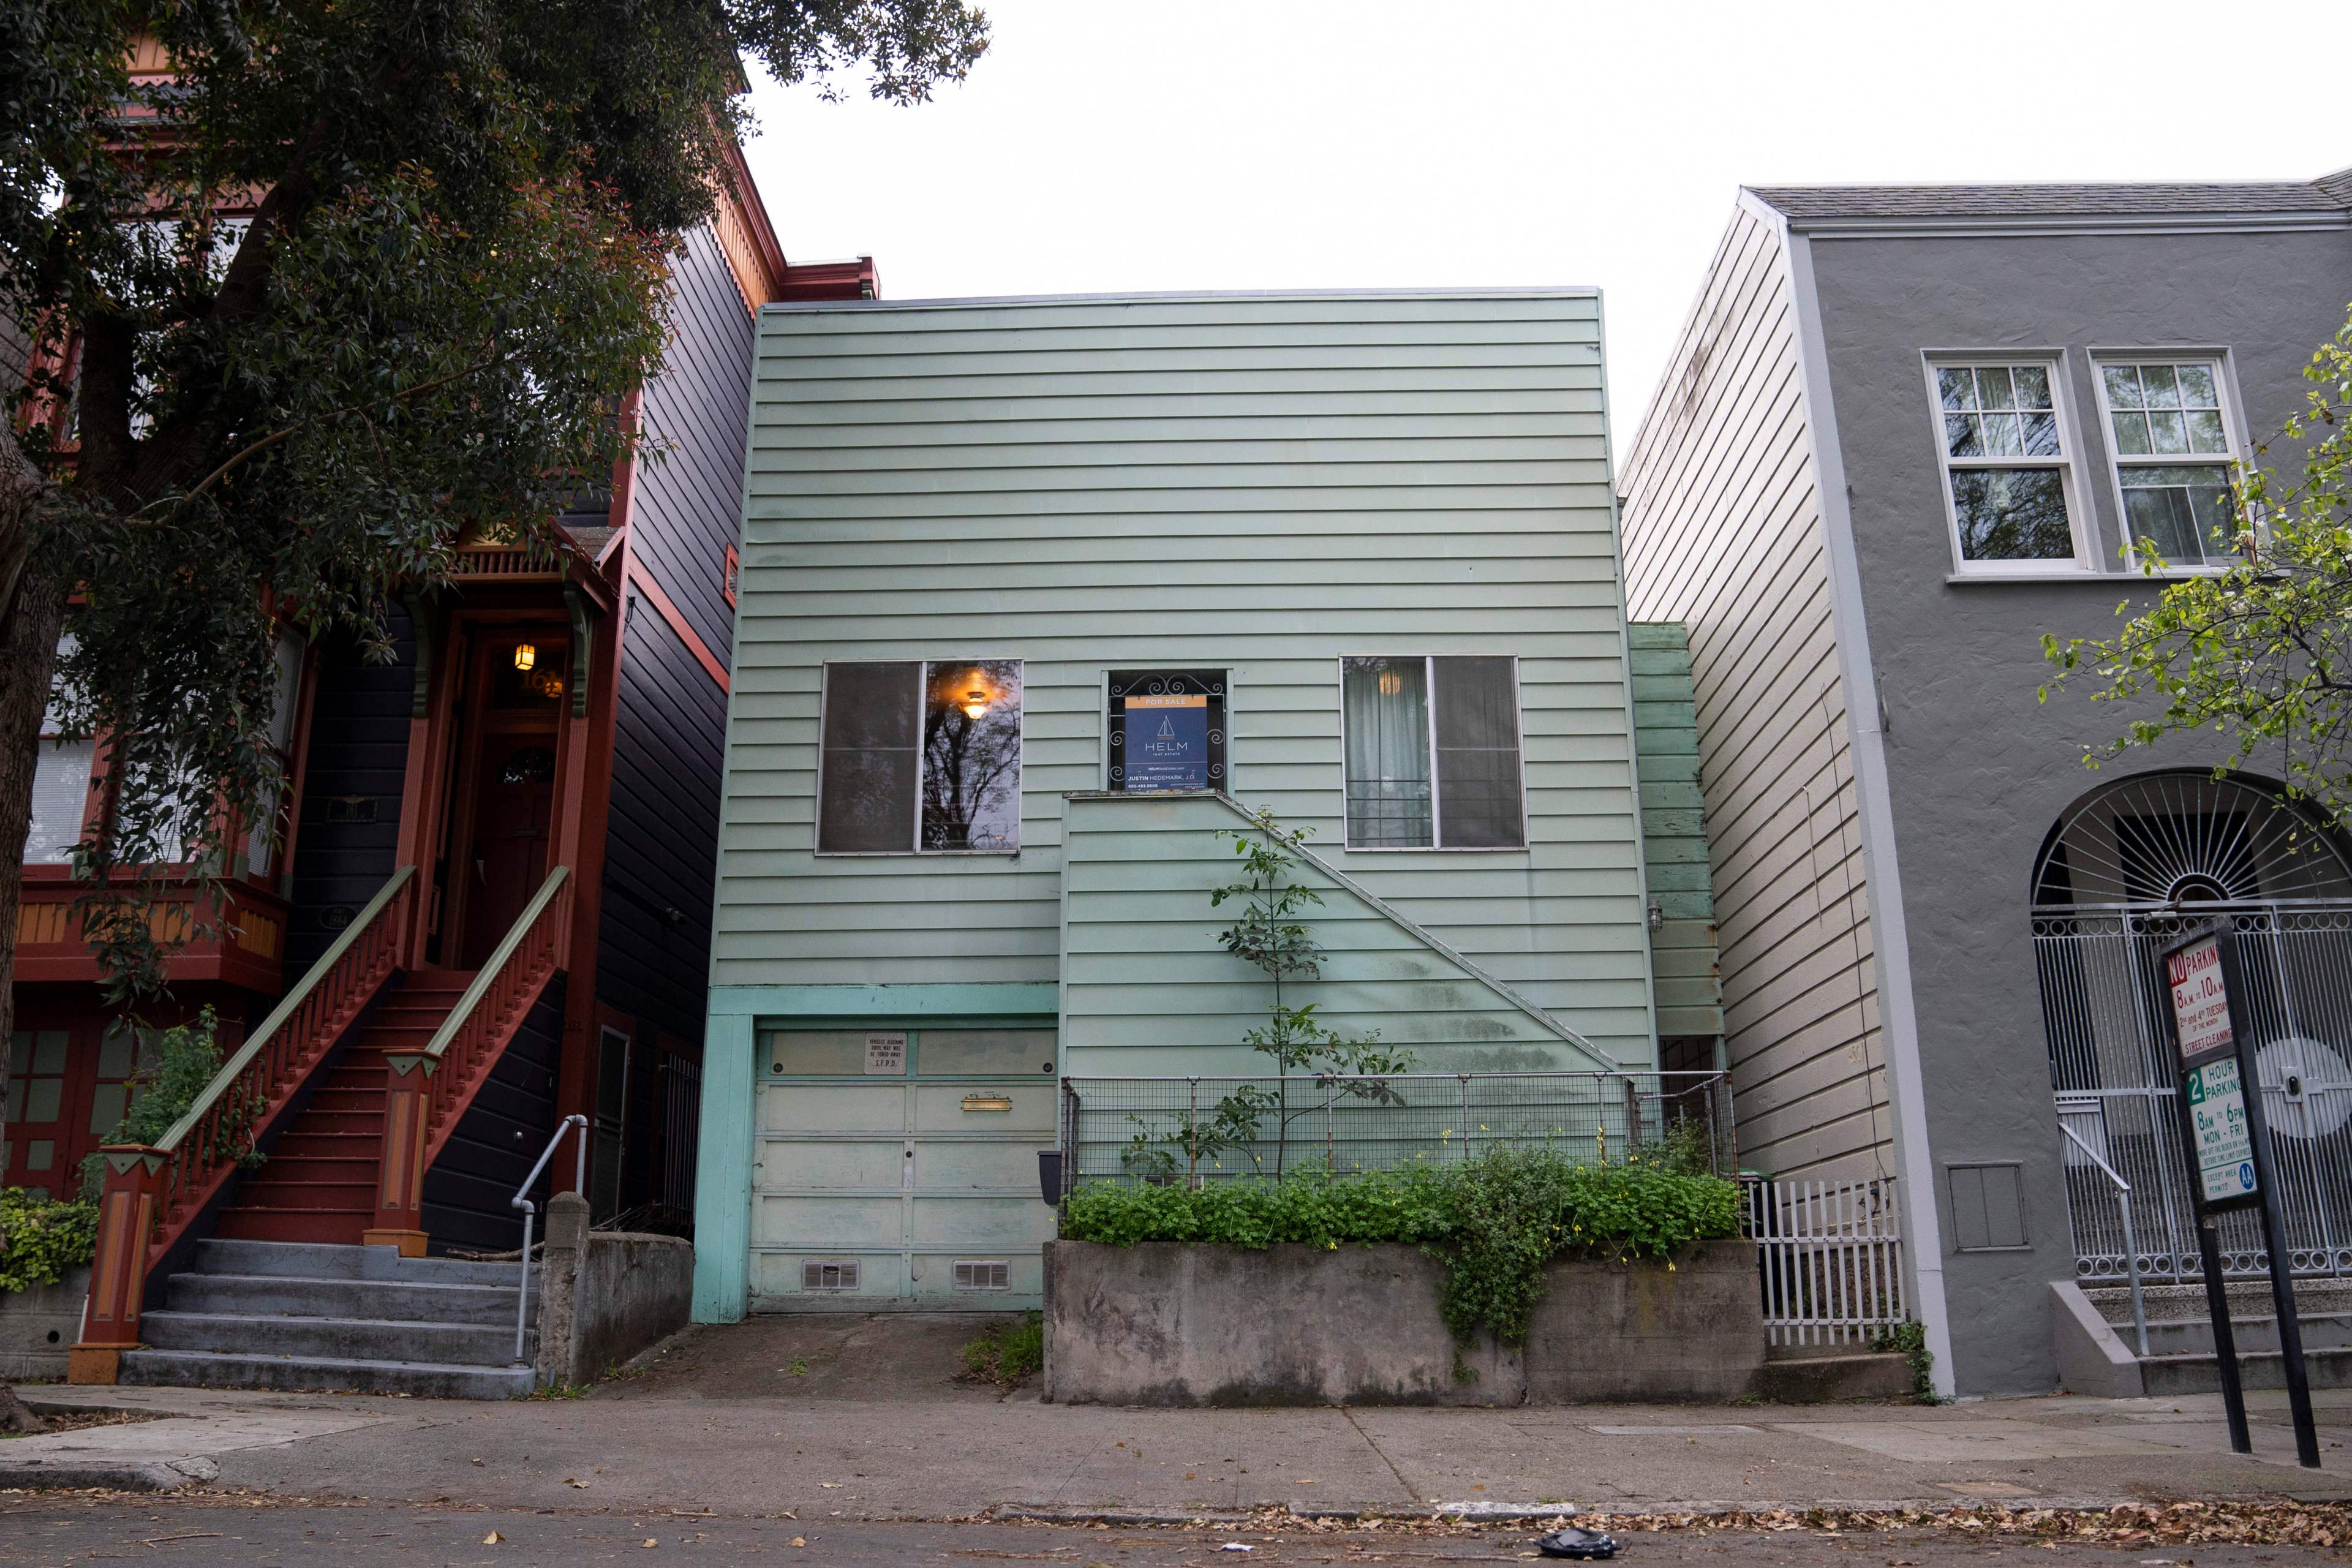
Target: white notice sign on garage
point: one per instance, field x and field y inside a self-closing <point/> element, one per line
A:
<point x="886" y="1054"/>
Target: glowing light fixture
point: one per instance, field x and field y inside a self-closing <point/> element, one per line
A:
<point x="1390" y="683"/>
<point x="526" y="655"/>
<point x="975" y="703"/>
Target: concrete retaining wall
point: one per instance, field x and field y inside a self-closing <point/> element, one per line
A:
<point x="1170" y="1324"/>
<point x="38" y="1326"/>
<point x="606" y="1295"/>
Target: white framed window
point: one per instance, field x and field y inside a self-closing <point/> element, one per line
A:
<point x="2174" y="438"/>
<point x="264" y="836"/>
<point x="2006" y="449"/>
<point x="61" y="787"/>
<point x="920" y="756"/>
<point x="1432" y="752"/>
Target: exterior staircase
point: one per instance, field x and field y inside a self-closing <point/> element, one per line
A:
<point x="304" y="1315"/>
<point x="2182" y="1358"/>
<point x="318" y="1183"/>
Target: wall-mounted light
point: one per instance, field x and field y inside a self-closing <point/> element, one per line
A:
<point x="975" y="703"/>
<point x="526" y="655"/>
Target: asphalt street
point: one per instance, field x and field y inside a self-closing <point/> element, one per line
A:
<point x="217" y="1532"/>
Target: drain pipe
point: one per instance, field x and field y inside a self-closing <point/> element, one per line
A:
<point x="530" y="1212"/>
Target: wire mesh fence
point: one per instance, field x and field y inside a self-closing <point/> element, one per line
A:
<point x="1201" y="1129"/>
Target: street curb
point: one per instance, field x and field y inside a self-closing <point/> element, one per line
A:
<point x="1463" y="1512"/>
<point x="70" y="1475"/>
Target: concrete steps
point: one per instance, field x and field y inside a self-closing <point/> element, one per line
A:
<point x="1826" y="1374"/>
<point x="2182" y="1358"/>
<point x="288" y="1315"/>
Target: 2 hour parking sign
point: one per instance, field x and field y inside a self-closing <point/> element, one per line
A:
<point x="2224" y="1139"/>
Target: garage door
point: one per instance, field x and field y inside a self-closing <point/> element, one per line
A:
<point x="898" y="1168"/>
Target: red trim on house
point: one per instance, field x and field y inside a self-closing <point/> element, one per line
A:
<point x="640" y="579"/>
<point x="753" y="211"/>
<point x="854" y="279"/>
<point x="731" y="567"/>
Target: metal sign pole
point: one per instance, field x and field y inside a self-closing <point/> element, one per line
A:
<point x="2228" y="1152"/>
<point x="2274" y="1233"/>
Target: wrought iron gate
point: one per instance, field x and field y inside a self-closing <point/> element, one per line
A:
<point x="2098" y="970"/>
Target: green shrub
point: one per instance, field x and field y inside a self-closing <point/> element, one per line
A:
<point x="177" y="1066"/>
<point x="41" y="1238"/>
<point x="1495" y="1221"/>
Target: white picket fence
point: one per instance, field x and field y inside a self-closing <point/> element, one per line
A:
<point x="1831" y="1259"/>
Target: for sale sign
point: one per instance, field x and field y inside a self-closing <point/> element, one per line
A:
<point x="2201" y="1001"/>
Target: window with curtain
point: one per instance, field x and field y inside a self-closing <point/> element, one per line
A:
<point x="1433" y="753"/>
<point x="60" y="789"/>
<point x="922" y="756"/>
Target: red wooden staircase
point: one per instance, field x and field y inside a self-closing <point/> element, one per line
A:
<point x="320" y="1183"/>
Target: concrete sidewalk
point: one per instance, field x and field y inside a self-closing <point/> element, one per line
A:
<point x="860" y="1418"/>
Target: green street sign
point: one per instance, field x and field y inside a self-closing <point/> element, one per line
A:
<point x="2224" y="1139"/>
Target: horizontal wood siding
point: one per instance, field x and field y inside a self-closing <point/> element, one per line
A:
<point x="468" y="1194"/>
<point x="356" y="769"/>
<point x="1674" y="834"/>
<point x="1723" y="533"/>
<point x="1145" y="973"/>
<point x="661" y="847"/>
<point x="688" y="495"/>
<point x="1258" y="484"/>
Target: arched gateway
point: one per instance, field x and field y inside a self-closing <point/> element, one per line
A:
<point x="2126" y="867"/>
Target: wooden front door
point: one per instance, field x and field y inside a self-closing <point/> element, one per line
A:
<point x="502" y="824"/>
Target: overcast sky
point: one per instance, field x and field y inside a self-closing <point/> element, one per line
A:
<point x="1113" y="145"/>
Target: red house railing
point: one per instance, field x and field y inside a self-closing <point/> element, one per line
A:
<point x="428" y="1090"/>
<point x="153" y="1192"/>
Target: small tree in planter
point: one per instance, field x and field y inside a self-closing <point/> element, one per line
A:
<point x="1271" y="932"/>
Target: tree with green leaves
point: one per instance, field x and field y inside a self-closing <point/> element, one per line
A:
<point x="306" y="295"/>
<point x="2259" y="654"/>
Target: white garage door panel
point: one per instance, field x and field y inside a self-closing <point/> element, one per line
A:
<point x="892" y="1172"/>
<point x="777" y="1281"/>
<point x="980" y="1223"/>
<point x="961" y="1166"/>
<point x="939" y="1108"/>
<point x="801" y="1223"/>
<point x="798" y="1163"/>
<point x="832" y="1108"/>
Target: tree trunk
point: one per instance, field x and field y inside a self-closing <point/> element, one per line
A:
<point x="32" y="610"/>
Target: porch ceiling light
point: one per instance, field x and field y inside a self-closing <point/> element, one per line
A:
<point x="975" y="703"/>
<point x="526" y="655"/>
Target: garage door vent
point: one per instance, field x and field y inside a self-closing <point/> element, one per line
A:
<point x="971" y="1274"/>
<point x="829" y="1276"/>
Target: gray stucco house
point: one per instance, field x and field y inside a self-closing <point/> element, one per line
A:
<point x="1905" y="432"/>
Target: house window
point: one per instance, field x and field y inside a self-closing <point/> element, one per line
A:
<point x="61" y="789"/>
<point x="261" y="842"/>
<point x="728" y="569"/>
<point x="2173" y="450"/>
<point x="1167" y="731"/>
<point x="1433" y="753"/>
<point x="921" y="757"/>
<point x="2005" y="463"/>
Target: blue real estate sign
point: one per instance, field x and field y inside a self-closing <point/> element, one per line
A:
<point x="1167" y="743"/>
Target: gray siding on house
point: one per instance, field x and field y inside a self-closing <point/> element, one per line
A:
<point x="1723" y="532"/>
<point x="1978" y="770"/>
<point x="1254" y="483"/>
<point x="662" y="842"/>
<point x="348" y="836"/>
<point x="689" y="503"/>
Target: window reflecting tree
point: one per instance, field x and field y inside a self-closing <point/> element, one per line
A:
<point x="971" y="756"/>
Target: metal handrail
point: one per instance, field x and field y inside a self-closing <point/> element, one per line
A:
<point x="231" y="1069"/>
<point x="2131" y="1246"/>
<point x="487" y="976"/>
<point x="530" y="1212"/>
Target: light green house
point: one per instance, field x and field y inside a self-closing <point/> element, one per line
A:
<point x="1037" y="598"/>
